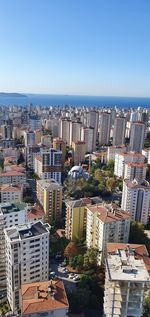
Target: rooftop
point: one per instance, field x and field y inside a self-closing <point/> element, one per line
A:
<point x="137" y="184"/>
<point x="83" y="202"/>
<point x="140" y="251"/>
<point x="7" y="208"/>
<point x="25" y="231"/>
<point x="124" y="265"/>
<point x="43" y="297"/>
<point x="11" y="173"/>
<point x="107" y="214"/>
<point x="10" y="188"/>
<point x="36" y="212"/>
<point x="49" y="184"/>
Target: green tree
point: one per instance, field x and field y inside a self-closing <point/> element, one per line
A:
<point x="90" y="258"/>
<point x="147" y="306"/>
<point x="79" y="300"/>
<point x="110" y="184"/>
<point x="138" y="236"/>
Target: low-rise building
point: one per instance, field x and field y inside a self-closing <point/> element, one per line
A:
<point x="27" y="258"/>
<point x="13" y="177"/>
<point x="106" y="224"/>
<point x="11" y="193"/>
<point x="126" y="279"/>
<point x="44" y="298"/>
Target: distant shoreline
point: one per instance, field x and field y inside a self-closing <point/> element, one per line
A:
<point x="12" y="95"/>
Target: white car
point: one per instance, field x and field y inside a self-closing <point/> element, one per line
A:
<point x="71" y="275"/>
<point x="76" y="278"/>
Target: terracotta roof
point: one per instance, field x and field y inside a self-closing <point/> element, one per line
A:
<point x="36" y="212"/>
<point x="131" y="154"/>
<point x="140" y="251"/>
<point x="107" y="216"/>
<point x="11" y="173"/>
<point x="136" y="164"/>
<point x="10" y="188"/>
<point x="35" y="297"/>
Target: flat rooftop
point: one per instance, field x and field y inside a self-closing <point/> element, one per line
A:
<point x="26" y="231"/>
<point x="7" y="208"/>
<point x="124" y="265"/>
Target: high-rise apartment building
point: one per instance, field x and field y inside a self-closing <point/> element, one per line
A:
<point x="10" y="215"/>
<point x="137" y="136"/>
<point x="49" y="195"/>
<point x="87" y="135"/>
<point x="27" y="258"/>
<point x="119" y="131"/>
<point x="60" y="145"/>
<point x="6" y="131"/>
<point x="126" y="279"/>
<point x="65" y="130"/>
<point x="29" y="138"/>
<point x="75" y="226"/>
<point x="93" y="121"/>
<point x="127" y="157"/>
<point x="136" y="200"/>
<point x="48" y="164"/>
<point x="35" y="122"/>
<point x="113" y="150"/>
<point x="104" y="128"/>
<point x="75" y="131"/>
<point x="79" y="150"/>
<point x="135" y="171"/>
<point x="106" y="224"/>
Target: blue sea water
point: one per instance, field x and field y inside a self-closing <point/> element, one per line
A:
<point x="61" y="100"/>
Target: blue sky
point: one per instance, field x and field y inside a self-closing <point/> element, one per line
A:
<point x="89" y="47"/>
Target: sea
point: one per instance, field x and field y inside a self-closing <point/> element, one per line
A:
<point x="77" y="101"/>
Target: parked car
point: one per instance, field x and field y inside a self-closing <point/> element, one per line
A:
<point x="71" y="275"/>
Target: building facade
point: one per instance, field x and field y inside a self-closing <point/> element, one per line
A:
<point x="136" y="200"/>
<point x="27" y="258"/>
<point x="49" y="195"/>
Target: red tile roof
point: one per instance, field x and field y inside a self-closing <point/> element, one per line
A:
<point x="36" y="212"/>
<point x="107" y="216"/>
<point x="36" y="299"/>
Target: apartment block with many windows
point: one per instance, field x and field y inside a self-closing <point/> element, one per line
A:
<point x="27" y="258"/>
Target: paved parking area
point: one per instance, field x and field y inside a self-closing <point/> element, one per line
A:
<point x="69" y="283"/>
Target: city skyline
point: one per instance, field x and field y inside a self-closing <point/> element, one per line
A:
<point x="75" y="48"/>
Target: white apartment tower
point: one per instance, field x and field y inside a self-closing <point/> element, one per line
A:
<point x="104" y="128"/>
<point x="64" y="130"/>
<point x="136" y="200"/>
<point x="27" y="258"/>
<point x="119" y="131"/>
<point x="135" y="171"/>
<point x="126" y="279"/>
<point x="137" y="136"/>
<point x="122" y="158"/>
<point x="10" y="215"/>
<point x="92" y="121"/>
<point x="87" y="135"/>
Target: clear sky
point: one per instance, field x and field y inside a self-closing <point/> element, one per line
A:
<point x="89" y="47"/>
